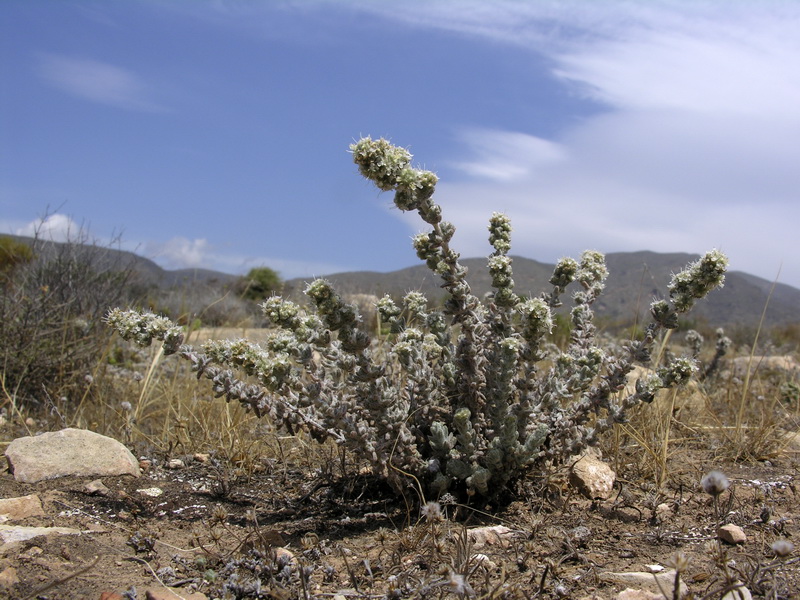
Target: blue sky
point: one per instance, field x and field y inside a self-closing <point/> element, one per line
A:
<point x="215" y="133"/>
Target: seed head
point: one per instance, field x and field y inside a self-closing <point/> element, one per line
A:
<point x="432" y="511"/>
<point x="782" y="548"/>
<point x="714" y="483"/>
<point x="678" y="561"/>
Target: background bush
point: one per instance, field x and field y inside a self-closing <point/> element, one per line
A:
<point x="52" y="300"/>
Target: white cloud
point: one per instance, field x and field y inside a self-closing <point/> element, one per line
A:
<point x="97" y="81"/>
<point x="55" y="227"/>
<point x="698" y="146"/>
<point x="180" y="253"/>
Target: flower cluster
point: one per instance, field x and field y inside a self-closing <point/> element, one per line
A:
<point x="459" y="399"/>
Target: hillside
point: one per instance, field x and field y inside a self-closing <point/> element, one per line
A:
<point x="635" y="279"/>
<point x="148" y="273"/>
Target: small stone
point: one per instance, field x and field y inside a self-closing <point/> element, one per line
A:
<point x="16" y="509"/>
<point x="632" y="594"/>
<point x="484" y="561"/>
<point x="593" y="478"/>
<point x="8" y="577"/>
<point x="497" y="535"/>
<point x="646" y="581"/>
<point x="580" y="535"/>
<point x="740" y="593"/>
<point x="655" y="568"/>
<point x="153" y="492"/>
<point x="96" y="488"/>
<point x="31" y="553"/>
<point x="663" y="509"/>
<point x="283" y="555"/>
<point x="731" y="534"/>
<point x="173" y="594"/>
<point x="201" y="457"/>
<point x="175" y="463"/>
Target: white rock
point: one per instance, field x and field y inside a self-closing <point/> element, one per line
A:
<point x="593" y="478"/>
<point x="740" y="593"/>
<point x="496" y="535"/>
<point x="646" y="581"/>
<point x="11" y="533"/>
<point x="632" y="594"/>
<point x="68" y="452"/>
<point x="16" y="509"/>
<point x="655" y="568"/>
<point x="484" y="561"/>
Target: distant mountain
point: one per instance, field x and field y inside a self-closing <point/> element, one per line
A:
<point x="148" y="272"/>
<point x="635" y="279"/>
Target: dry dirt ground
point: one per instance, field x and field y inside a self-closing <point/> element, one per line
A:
<point x="212" y="528"/>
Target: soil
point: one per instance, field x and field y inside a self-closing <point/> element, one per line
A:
<point x="211" y="527"/>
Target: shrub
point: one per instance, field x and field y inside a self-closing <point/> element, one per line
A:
<point x="12" y="254"/>
<point x="461" y="399"/>
<point x="51" y="314"/>
<point x="259" y="283"/>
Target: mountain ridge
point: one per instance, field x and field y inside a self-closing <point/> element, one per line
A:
<point x="635" y="279"/>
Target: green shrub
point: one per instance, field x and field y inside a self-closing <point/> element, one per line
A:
<point x="463" y="399"/>
<point x="12" y="254"/>
<point x="259" y="284"/>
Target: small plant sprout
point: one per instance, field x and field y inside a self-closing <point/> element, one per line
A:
<point x="680" y="562"/>
<point x="466" y="399"/>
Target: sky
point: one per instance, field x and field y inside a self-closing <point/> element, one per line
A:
<point x="215" y="133"/>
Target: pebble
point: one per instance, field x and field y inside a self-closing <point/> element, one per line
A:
<point x="96" y="488"/>
<point x="21" y="507"/>
<point x="593" y="478"/>
<point x="731" y="534"/>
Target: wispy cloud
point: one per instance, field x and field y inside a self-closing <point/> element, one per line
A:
<point x="98" y="82"/>
<point x="507" y="155"/>
<point x="180" y="253"/>
<point x="698" y="145"/>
